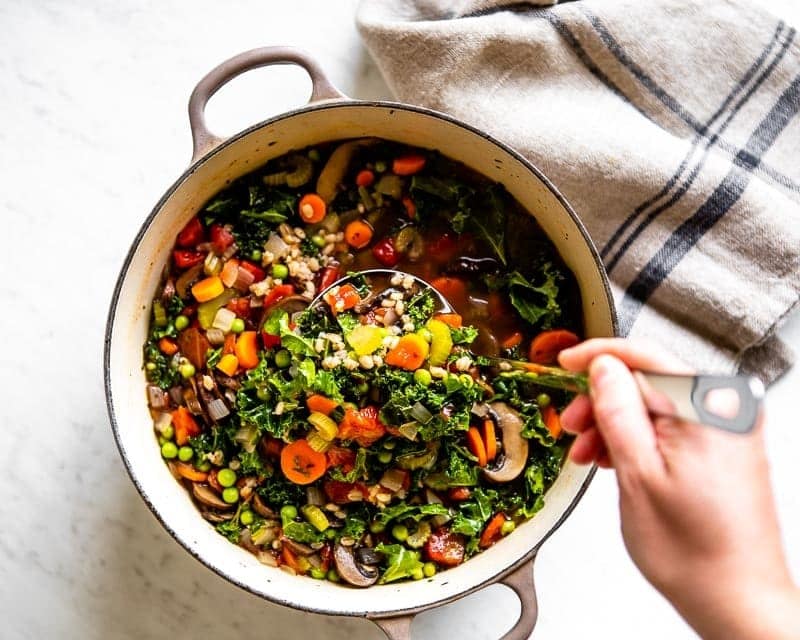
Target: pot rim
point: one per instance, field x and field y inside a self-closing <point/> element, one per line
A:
<point x="196" y="165"/>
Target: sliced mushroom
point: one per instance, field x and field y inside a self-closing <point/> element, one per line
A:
<point x="352" y="571"/>
<point x="297" y="547"/>
<point x="215" y="517"/>
<point x="515" y="447"/>
<point x="335" y="168"/>
<point x="206" y="495"/>
<point x="368" y="556"/>
<point x="262" y="509"/>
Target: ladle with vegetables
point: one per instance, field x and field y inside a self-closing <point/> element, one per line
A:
<point x="691" y="397"/>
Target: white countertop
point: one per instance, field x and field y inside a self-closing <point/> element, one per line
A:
<point x="94" y="130"/>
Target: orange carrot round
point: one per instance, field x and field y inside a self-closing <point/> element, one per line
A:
<point x="454" y="290"/>
<point x="167" y="346"/>
<point x="493" y="531"/>
<point x="476" y="446"/>
<point x="246" y="349"/>
<point x="323" y="404"/>
<point x="312" y="208"/>
<point x="365" y="178"/>
<point x="301" y="464"/>
<point x="546" y="346"/>
<point x="358" y="234"/>
<point x="408" y="165"/>
<point x="490" y="439"/>
<point x="409" y="353"/>
<point x="552" y="420"/>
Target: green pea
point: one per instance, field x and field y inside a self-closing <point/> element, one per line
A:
<point x="423" y="377"/>
<point x="279" y="271"/>
<point x="187" y="370"/>
<point x="400" y="532"/>
<point x="288" y="512"/>
<point x="185" y="454"/>
<point x="319" y="241"/>
<point x="363" y="388"/>
<point x="380" y="166"/>
<point x="202" y="465"/>
<point x="333" y="575"/>
<point x="169" y="450"/>
<point x="429" y="569"/>
<point x="168" y="432"/>
<point x="150" y="366"/>
<point x="283" y="359"/>
<point x="389" y="444"/>
<point x="247" y="518"/>
<point x="162" y="441"/>
<point x="418" y="573"/>
<point x="262" y="393"/>
<point x="508" y="527"/>
<point x="317" y="574"/>
<point x="237" y="326"/>
<point x="226" y="477"/>
<point x="256" y="255"/>
<point x="181" y="322"/>
<point x="313" y="155"/>
<point x="543" y="400"/>
<point x="230" y="495"/>
<point x="330" y="534"/>
<point x="376" y="526"/>
<point x="385" y="457"/>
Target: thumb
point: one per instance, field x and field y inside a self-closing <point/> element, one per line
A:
<point x="621" y="416"/>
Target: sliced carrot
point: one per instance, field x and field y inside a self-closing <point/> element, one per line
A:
<point x="246" y="349"/>
<point x="493" y="531"/>
<point x="453" y="289"/>
<point x="323" y="404"/>
<point x="312" y="208"/>
<point x="512" y="341"/>
<point x="409" y="353"/>
<point x="230" y="272"/>
<point x="408" y="165"/>
<point x="228" y="364"/>
<point x="208" y="289"/>
<point x="342" y="298"/>
<point x="546" y="346"/>
<point x="301" y="464"/>
<point x="365" y="178"/>
<point x="489" y="439"/>
<point x="452" y="320"/>
<point x="476" y="446"/>
<point x="185" y="426"/>
<point x="290" y="559"/>
<point x="411" y="207"/>
<point x="190" y="473"/>
<point x="552" y="420"/>
<point x="358" y="234"/>
<point x="167" y="346"/>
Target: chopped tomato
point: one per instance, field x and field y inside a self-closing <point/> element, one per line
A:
<point x="385" y="253"/>
<point x="185" y="259"/>
<point x="269" y="340"/>
<point x="257" y="272"/>
<point x="240" y="306"/>
<point x="328" y="277"/>
<point x="343" y="492"/>
<point x="341" y="457"/>
<point x="445" y="548"/>
<point x="342" y="298"/>
<point x="192" y="234"/>
<point x="277" y="293"/>
<point x="442" y="249"/>
<point x="363" y="426"/>
<point x="459" y="494"/>
<point x="365" y="178"/>
<point x="221" y="238"/>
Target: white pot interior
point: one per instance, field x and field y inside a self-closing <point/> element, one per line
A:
<point x="130" y="316"/>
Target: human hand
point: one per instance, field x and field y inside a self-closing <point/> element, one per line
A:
<point x="698" y="516"/>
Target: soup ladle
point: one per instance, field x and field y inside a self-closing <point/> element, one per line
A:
<point x="731" y="403"/>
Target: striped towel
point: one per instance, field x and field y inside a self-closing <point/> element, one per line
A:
<point x="670" y="125"/>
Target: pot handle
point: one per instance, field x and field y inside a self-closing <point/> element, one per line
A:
<point x="520" y="581"/>
<point x="203" y="140"/>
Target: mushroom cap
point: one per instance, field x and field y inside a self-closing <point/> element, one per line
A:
<point x="208" y="497"/>
<point x="515" y="447"/>
<point x="352" y="571"/>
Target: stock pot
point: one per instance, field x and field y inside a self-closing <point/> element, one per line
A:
<point x="330" y="116"/>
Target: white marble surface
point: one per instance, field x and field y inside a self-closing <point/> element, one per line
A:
<point x="93" y="131"/>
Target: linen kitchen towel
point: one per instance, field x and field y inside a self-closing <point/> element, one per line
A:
<point x="671" y="126"/>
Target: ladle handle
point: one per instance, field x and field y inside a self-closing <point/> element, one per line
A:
<point x="688" y="397"/>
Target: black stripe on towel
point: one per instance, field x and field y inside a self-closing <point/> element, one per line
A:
<point x="686" y="236"/>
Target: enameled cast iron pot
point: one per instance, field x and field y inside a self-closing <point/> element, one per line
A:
<point x="330" y="116"/>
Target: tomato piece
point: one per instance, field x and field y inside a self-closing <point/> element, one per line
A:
<point x="445" y="548"/>
<point x="257" y="272"/>
<point x="240" y="306"/>
<point x="342" y="298"/>
<point x="363" y="426"/>
<point x="270" y="341"/>
<point x="459" y="494"/>
<point x="184" y="259"/>
<point x="443" y="249"/>
<point x="277" y="293"/>
<point x="221" y="238"/>
<point x="546" y="346"/>
<point x="341" y="457"/>
<point x="385" y="253"/>
<point x="365" y="178"/>
<point x="328" y="277"/>
<point x="340" y="492"/>
<point x="192" y="234"/>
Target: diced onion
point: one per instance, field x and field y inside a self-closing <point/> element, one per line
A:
<point x="223" y="320"/>
<point x="276" y="246"/>
<point x="230" y="251"/>
<point x="212" y="264"/>
<point x="162" y="421"/>
<point x="243" y="280"/>
<point x="409" y="430"/>
<point x="264" y="535"/>
<point x="314" y="496"/>
<point x="393" y="479"/>
<point x="156" y="397"/>
<point x="215" y="336"/>
<point x="217" y="409"/>
<point x="247" y="438"/>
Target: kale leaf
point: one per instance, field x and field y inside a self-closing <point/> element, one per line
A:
<point x="401" y="562"/>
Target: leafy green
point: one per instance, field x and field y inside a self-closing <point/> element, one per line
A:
<point x="401" y="562"/>
<point x="251" y="463"/>
<point x="230" y="529"/>
<point x="325" y="383"/>
<point x="164" y="373"/>
<point x="473" y="514"/>
<point x="358" y="471"/>
<point x="413" y="511"/>
<point x="464" y="335"/>
<point x="277" y="491"/>
<point x="300" y="531"/>
<point x="420" y="307"/>
<point x="538" y="304"/>
<point x="534" y="426"/>
<point x="278" y="325"/>
<point x="461" y="470"/>
<point x="347" y="321"/>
